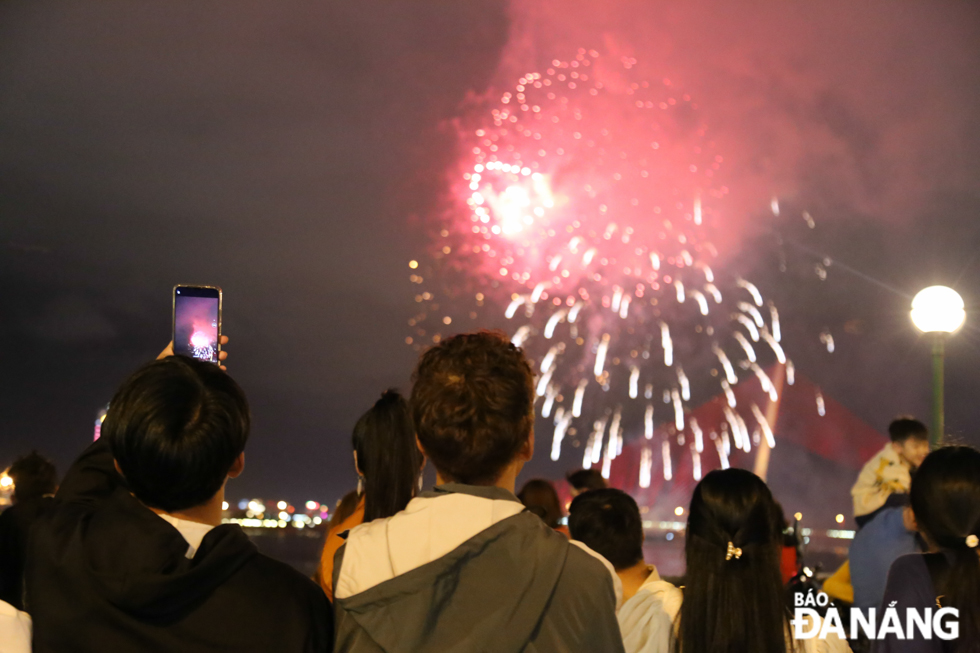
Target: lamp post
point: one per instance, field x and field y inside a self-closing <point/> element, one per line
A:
<point x="938" y="311"/>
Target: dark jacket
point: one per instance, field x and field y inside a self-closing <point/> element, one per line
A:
<point x="105" y="573"/>
<point x="911" y="584"/>
<point x="15" y="526"/>
<point x="513" y="586"/>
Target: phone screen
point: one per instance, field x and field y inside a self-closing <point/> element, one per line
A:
<point x="197" y="322"/>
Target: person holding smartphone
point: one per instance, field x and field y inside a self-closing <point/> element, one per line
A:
<point x="133" y="555"/>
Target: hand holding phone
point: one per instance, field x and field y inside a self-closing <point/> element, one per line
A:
<point x="222" y="355"/>
<point x="197" y="322"/>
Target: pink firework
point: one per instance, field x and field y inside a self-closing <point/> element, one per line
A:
<point x="586" y="202"/>
<point x="201" y="342"/>
<point x="200" y="339"/>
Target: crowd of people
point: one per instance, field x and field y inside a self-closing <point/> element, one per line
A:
<point x="129" y="552"/>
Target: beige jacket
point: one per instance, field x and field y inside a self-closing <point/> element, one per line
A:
<point x="883" y="475"/>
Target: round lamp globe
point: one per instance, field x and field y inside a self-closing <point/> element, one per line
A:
<point x="938" y="309"/>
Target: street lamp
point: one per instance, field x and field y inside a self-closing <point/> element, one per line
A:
<point x="939" y="311"/>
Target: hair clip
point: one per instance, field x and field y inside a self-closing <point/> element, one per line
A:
<point x="972" y="541"/>
<point x="733" y="552"/>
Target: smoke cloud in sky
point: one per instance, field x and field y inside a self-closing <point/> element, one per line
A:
<point x="867" y="107"/>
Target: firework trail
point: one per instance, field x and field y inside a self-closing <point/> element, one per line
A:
<point x="587" y="202"/>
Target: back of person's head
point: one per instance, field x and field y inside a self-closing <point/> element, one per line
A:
<point x="175" y="428"/>
<point x="344" y="509"/>
<point x="608" y="522"/>
<point x="538" y="495"/>
<point x="387" y="456"/>
<point x="733" y="595"/>
<point x="945" y="499"/>
<point x="583" y="480"/>
<point x="33" y="476"/>
<point x="472" y="404"/>
<point x="903" y="428"/>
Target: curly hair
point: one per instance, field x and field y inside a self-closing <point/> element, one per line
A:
<point x="473" y="405"/>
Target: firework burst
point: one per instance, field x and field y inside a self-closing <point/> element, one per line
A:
<point x="585" y="210"/>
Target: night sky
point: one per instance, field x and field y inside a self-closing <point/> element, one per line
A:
<point x="292" y="152"/>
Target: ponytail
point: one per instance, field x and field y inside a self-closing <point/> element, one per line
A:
<point x="387" y="456"/>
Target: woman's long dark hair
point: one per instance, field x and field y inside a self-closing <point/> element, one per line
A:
<point x="387" y="456"/>
<point x="540" y="497"/>
<point x="945" y="498"/>
<point x="738" y="604"/>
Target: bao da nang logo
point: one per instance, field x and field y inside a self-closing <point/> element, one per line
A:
<point x="908" y="623"/>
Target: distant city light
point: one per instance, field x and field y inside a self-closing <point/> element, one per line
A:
<point x="798" y="516"/>
<point x="5" y="481"/>
<point x="282" y="505"/>
<point x="312" y="505"/>
<point x="678" y="511"/>
<point x="840" y="519"/>
<point x="224" y="505"/>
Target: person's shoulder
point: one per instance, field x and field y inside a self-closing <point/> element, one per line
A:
<point x="661" y="590"/>
<point x="276" y="576"/>
<point x="656" y="595"/>
<point x="876" y="460"/>
<point x="580" y="562"/>
<point x="909" y="581"/>
<point x="910" y="565"/>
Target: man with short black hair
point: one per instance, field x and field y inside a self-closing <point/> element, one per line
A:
<point x="608" y="522"/>
<point x="465" y="567"/>
<point x="134" y="557"/>
<point x="885" y="480"/>
<point x="35" y="482"/>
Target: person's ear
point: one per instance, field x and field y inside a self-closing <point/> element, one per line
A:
<point x="527" y="451"/>
<point x="238" y="466"/>
<point x="908" y="519"/>
<point x="115" y="463"/>
<point x="418" y="444"/>
<point x="897" y="447"/>
<point x="356" y="467"/>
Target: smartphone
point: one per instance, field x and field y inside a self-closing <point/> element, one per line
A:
<point x="197" y="322"/>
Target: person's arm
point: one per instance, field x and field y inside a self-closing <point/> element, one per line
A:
<point x="92" y="476"/>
